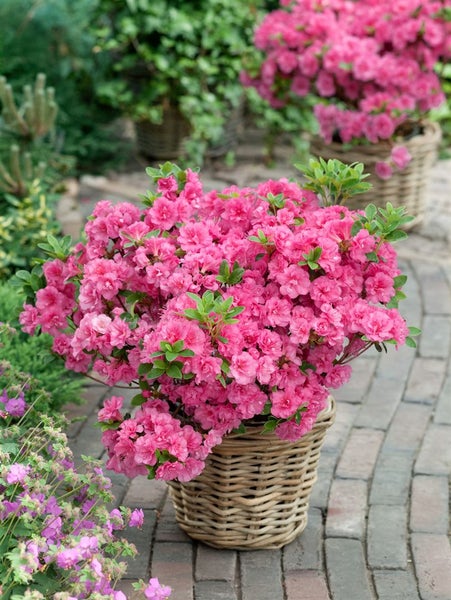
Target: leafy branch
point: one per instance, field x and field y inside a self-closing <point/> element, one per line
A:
<point x="213" y="312"/>
<point x="333" y="181"/>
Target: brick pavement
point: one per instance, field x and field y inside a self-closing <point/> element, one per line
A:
<point x="379" y="523"/>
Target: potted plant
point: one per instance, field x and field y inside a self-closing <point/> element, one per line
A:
<point x="220" y="308"/>
<point x="371" y="69"/>
<point x="175" y="71"/>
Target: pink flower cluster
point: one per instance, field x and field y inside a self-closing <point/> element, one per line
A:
<point x="222" y="306"/>
<point x="370" y="64"/>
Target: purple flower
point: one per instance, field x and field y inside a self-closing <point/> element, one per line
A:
<point x="17" y="473"/>
<point x="15" y="406"/>
<point x="52" y="507"/>
<point x="53" y="529"/>
<point x="68" y="558"/>
<point x="136" y="518"/>
<point x="156" y="591"/>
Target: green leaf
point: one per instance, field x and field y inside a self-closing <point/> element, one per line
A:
<point x="399" y="281"/>
<point x="186" y="352"/>
<point x="270" y="425"/>
<point x="174" y="370"/>
<point x="410" y="342"/>
<point x="192" y="313"/>
<point x="414" y="331"/>
<point x="155" y="373"/>
<point x="145" y="368"/>
<point x="138" y="400"/>
<point x="396" y="236"/>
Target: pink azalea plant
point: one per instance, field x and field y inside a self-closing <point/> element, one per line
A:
<point x="371" y="65"/>
<point x="222" y="307"/>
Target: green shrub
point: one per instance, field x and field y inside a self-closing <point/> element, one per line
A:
<point x="24" y="223"/>
<point x="53" y="36"/>
<point x="31" y="360"/>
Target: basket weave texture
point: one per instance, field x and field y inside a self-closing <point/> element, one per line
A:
<point x="404" y="188"/>
<point x="254" y="492"/>
<point x="166" y="140"/>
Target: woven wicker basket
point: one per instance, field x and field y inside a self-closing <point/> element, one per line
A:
<point x="166" y="141"/>
<point x="404" y="188"/>
<point x="254" y="492"/>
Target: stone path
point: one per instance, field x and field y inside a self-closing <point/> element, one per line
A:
<point x="379" y="523"/>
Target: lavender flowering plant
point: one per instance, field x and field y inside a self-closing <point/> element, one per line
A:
<point x="58" y="539"/>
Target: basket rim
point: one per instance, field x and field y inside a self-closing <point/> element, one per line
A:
<point x="256" y="432"/>
<point x="425" y="142"/>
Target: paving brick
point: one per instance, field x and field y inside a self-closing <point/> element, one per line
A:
<point x="391" y="481"/>
<point x="346" y="569"/>
<point x="387" y="537"/>
<point x="436" y="338"/>
<point x="355" y="390"/>
<point x="88" y="441"/>
<point x="425" y="381"/>
<point x="146" y="493"/>
<point x="320" y="490"/>
<point x="442" y="414"/>
<point x="78" y="413"/>
<point x="126" y="586"/>
<point x="306" y="551"/>
<point x="347" y="509"/>
<point x="435" y="453"/>
<point x="214" y="590"/>
<point x="429" y="504"/>
<point x="138" y="565"/>
<point x="168" y="529"/>
<point x="213" y="564"/>
<point x="396" y="585"/>
<point x="172" y="563"/>
<point x="380" y="404"/>
<point x="432" y="559"/>
<point x="261" y="575"/>
<point x="435" y="289"/>
<point x="407" y="429"/>
<point x="396" y="364"/>
<point x="308" y="585"/>
<point x="360" y="453"/>
<point x="337" y="434"/>
<point x="119" y="486"/>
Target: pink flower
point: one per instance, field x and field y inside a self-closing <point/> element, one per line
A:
<point x="383" y="170"/>
<point x="284" y="403"/>
<point x="400" y="157"/>
<point x="243" y="368"/>
<point x="29" y="318"/>
<point x="111" y="410"/>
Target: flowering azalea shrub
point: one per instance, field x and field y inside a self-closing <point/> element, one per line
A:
<point x="221" y="306"/>
<point x="58" y="540"/>
<point x="370" y="65"/>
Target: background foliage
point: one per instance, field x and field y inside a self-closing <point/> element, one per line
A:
<point x="54" y="37"/>
<point x="32" y="361"/>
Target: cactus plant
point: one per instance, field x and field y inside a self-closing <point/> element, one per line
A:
<point x="35" y="117"/>
<point x="16" y="179"/>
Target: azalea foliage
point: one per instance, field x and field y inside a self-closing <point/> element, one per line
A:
<point x="220" y="306"/>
